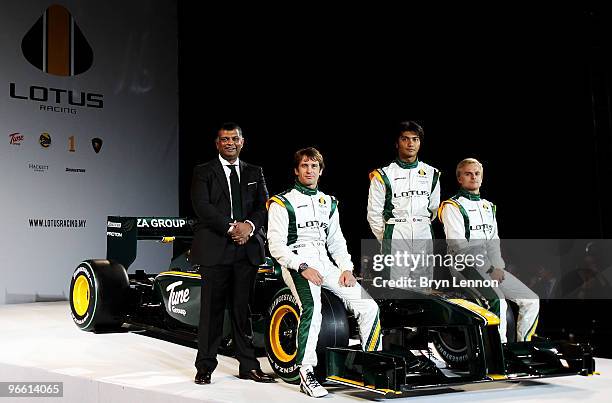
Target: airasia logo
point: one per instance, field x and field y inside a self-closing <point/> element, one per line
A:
<point x="15" y="138"/>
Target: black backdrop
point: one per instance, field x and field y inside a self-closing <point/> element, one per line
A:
<point x="512" y="89"/>
<point x="525" y="92"/>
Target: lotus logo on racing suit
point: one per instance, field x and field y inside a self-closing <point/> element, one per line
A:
<point x="411" y="193"/>
<point x="484" y="227"/>
<point x="160" y="223"/>
<point x="177" y="297"/>
<point x="312" y="224"/>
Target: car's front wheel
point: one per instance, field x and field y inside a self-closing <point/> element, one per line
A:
<point x="281" y="333"/>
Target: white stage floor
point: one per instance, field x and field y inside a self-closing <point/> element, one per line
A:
<point x="40" y="343"/>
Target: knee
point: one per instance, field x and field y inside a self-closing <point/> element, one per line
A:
<point x="533" y="302"/>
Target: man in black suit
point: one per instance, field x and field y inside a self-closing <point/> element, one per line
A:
<point x="229" y="198"/>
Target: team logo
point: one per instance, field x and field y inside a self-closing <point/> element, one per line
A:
<point x="56" y="45"/>
<point x="15" y="139"/>
<point x="96" y="143"/>
<point x="422" y="172"/>
<point x="485" y="206"/>
<point x="322" y="200"/>
<point x="71" y="144"/>
<point x="45" y="140"/>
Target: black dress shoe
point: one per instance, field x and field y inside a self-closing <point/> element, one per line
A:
<point x="257" y="375"/>
<point x="203" y="376"/>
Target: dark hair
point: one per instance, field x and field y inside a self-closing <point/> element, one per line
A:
<point x="410" y="126"/>
<point x="229" y="126"/>
<point x="311" y="153"/>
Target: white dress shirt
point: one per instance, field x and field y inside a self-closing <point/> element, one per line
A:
<point x="226" y="168"/>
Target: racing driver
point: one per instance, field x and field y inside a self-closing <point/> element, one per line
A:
<point x="303" y="227"/>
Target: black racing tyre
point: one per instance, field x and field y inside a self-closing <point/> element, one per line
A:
<point x="281" y="332"/>
<point x="98" y="295"/>
<point x="451" y="343"/>
<point x="511" y="321"/>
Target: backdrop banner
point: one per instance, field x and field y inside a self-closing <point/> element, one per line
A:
<point x="88" y="129"/>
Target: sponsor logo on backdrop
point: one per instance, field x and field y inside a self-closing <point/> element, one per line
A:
<point x="71" y="144"/>
<point x="15" y="138"/>
<point x="35" y="167"/>
<point x="57" y="222"/>
<point x="96" y="143"/>
<point x="56" y="45"/>
<point x="45" y="140"/>
<point x="111" y="224"/>
<point x="75" y="170"/>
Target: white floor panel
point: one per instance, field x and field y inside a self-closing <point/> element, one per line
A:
<point x="39" y="342"/>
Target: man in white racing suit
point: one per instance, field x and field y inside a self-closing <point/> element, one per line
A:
<point x="303" y="226"/>
<point x="470" y="226"/>
<point x="403" y="199"/>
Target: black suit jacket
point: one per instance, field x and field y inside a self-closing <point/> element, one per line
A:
<point x="210" y="197"/>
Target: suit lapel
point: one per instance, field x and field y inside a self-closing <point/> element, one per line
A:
<point x="243" y="185"/>
<point x="220" y="174"/>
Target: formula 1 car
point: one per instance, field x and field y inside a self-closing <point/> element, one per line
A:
<point x="429" y="341"/>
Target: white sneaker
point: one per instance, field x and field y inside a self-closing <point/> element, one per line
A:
<point x="309" y="383"/>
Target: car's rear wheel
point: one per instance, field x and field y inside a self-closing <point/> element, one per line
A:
<point x="98" y="295"/>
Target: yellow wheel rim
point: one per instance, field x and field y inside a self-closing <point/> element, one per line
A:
<point x="275" y="324"/>
<point x="80" y="295"/>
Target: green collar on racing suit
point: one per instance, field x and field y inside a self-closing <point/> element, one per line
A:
<point x="407" y="165"/>
<point x="303" y="189"/>
<point x="468" y="195"/>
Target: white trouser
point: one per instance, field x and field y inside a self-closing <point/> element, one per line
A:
<point x="308" y="295"/>
<point x="412" y="235"/>
<point x="513" y="289"/>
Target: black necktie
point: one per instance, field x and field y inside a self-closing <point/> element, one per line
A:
<point x="236" y="199"/>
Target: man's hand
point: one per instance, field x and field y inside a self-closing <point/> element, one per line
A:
<point x="311" y="274"/>
<point x="347" y="279"/>
<point x="240" y="232"/>
<point x="498" y="274"/>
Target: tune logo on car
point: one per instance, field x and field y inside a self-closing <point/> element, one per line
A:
<point x="177" y="297"/>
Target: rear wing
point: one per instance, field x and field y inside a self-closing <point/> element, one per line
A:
<point x="123" y="234"/>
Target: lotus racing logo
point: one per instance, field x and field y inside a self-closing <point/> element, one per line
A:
<point x="177" y="297"/>
<point x="312" y="224"/>
<point x="411" y="193"/>
<point x="483" y="227"/>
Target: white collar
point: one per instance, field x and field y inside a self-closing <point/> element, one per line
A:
<point x="225" y="162"/>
